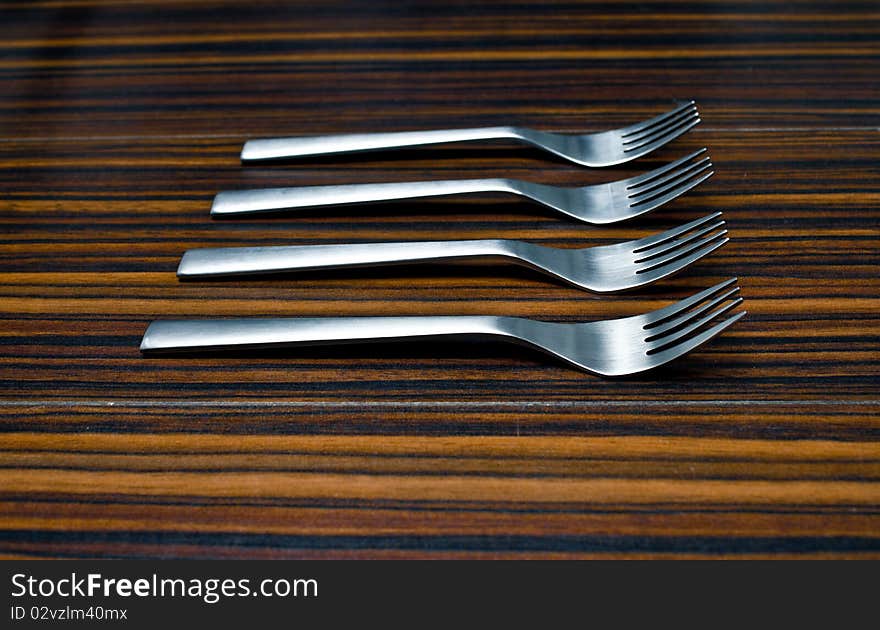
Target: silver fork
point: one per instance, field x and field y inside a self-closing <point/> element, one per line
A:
<point x="599" y="204"/>
<point x="595" y="149"/>
<point x="610" y="347"/>
<point x="602" y="269"/>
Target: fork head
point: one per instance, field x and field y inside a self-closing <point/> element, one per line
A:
<point x="628" y="143"/>
<point x="628" y="198"/>
<point x="634" y="344"/>
<point x="631" y="264"/>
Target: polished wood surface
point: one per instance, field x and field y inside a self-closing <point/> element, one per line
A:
<point x="119" y="121"/>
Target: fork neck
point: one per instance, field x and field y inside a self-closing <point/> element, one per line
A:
<point x="562" y="145"/>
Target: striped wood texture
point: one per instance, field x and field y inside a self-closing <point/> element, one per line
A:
<point x="120" y="120"/>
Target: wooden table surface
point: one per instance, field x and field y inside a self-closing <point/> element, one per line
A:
<point x="119" y="121"/>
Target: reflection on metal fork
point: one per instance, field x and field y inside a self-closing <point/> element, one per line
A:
<point x="596" y="149"/>
<point x="610" y="347"/>
<point x="601" y="269"/>
<point x="602" y="203"/>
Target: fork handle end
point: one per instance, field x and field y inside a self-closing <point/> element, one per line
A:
<point x="227" y="261"/>
<point x="166" y="336"/>
<point x="280" y="148"/>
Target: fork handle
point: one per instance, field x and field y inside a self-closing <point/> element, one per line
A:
<point x="277" y="148"/>
<point x="248" y="201"/>
<point x="225" y="261"/>
<point x="218" y="334"/>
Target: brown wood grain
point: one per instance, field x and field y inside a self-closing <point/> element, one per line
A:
<point x="119" y="121"/>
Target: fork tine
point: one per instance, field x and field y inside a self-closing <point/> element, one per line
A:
<point x="635" y="182"/>
<point x="674" y="337"/>
<point x="660" y="128"/>
<point x="659" y="272"/>
<point x="667" y="355"/>
<point x="687" y="237"/>
<point x="659" y="316"/>
<point x="665" y="182"/>
<point x="647" y="205"/>
<point x="681" y="253"/>
<point x="656" y="119"/>
<point x="671" y="325"/>
<point x="654" y="134"/>
<point x="658" y="239"/>
<point x="638" y="151"/>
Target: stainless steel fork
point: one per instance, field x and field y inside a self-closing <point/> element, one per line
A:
<point x="596" y="149"/>
<point x="601" y="269"/>
<point x="610" y="347"/>
<point x="599" y="204"/>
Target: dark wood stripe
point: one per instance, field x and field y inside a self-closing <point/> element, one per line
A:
<point x="137" y="544"/>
